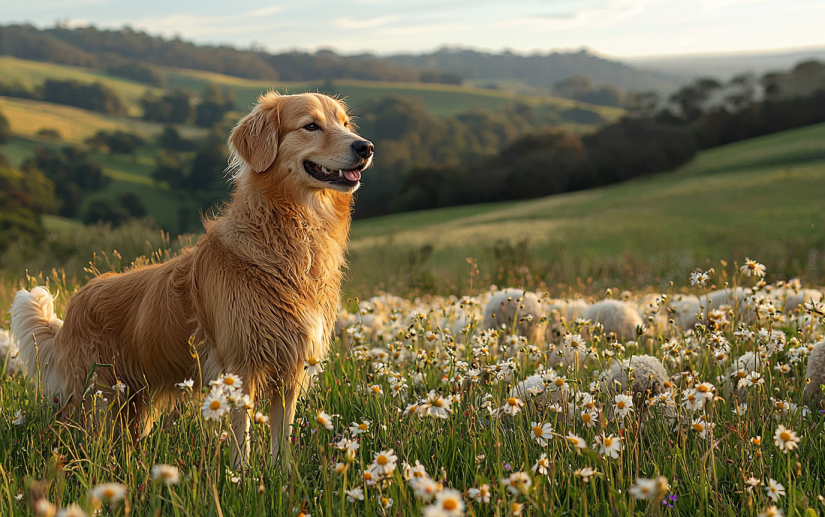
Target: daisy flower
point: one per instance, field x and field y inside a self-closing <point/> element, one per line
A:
<point x="701" y="427"/>
<point x="215" y="405"/>
<point x="541" y="465"/>
<point x="376" y="389"/>
<point x="72" y="510"/>
<point x="435" y="406"/>
<point x="109" y="492"/>
<point x="648" y="488"/>
<point x="541" y="433"/>
<point x="577" y="442"/>
<point x="166" y="473"/>
<point x="752" y="268"/>
<point x="448" y="502"/>
<point x="512" y="406"/>
<point x="186" y="385"/>
<point x="356" y="494"/>
<point x="585" y="473"/>
<point x="324" y="420"/>
<point x="772" y="511"/>
<point x="518" y="482"/>
<point x="313" y="366"/>
<point x="785" y="439"/>
<point x="608" y="445"/>
<point x="590" y="418"/>
<point x="384" y="462"/>
<point x="774" y="490"/>
<point x="623" y="405"/>
<point x="230" y="381"/>
<point x="361" y="428"/>
<point x="480" y="494"/>
<point x="425" y="488"/>
<point x="119" y="387"/>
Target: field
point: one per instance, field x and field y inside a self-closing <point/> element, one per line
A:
<point x="415" y="380"/>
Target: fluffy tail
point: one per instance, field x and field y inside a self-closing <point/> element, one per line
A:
<point x="33" y="329"/>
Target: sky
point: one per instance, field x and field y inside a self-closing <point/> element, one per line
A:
<point x="619" y="28"/>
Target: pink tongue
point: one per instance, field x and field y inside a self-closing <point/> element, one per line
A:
<point x="353" y="175"/>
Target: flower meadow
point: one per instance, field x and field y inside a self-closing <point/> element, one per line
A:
<point x="702" y="400"/>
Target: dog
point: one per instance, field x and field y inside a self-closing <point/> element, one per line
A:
<point x="257" y="295"/>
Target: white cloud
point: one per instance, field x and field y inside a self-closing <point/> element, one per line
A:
<point x="345" y="22"/>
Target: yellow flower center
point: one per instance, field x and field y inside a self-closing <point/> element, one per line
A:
<point x="215" y="405"/>
<point x="229" y="381"/>
<point x="608" y="442"/>
<point x="702" y="389"/>
<point x="381" y="460"/>
<point x="384" y="501"/>
<point x="450" y="504"/>
<point x="362" y="427"/>
<point x="376" y="389"/>
<point x="559" y="382"/>
<point x="512" y="401"/>
<point x="784" y="436"/>
<point x="312" y="361"/>
<point x="620" y="404"/>
<point x="538" y="431"/>
<point x="586" y="417"/>
<point x="698" y="427"/>
<point x="108" y="493"/>
<point x="367" y="476"/>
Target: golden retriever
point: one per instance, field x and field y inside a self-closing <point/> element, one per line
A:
<point x="258" y="293"/>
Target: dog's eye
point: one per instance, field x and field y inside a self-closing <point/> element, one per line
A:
<point x="312" y="126"/>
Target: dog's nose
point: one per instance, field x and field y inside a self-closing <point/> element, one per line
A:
<point x="363" y="148"/>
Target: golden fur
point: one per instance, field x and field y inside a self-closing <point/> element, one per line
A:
<point x="258" y="292"/>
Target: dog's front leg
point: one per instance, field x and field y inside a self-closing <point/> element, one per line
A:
<point x="281" y="416"/>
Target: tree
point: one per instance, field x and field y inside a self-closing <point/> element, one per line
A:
<point x="171" y="140"/>
<point x="214" y="106"/>
<point x="72" y="172"/>
<point x="116" y="142"/>
<point x="105" y="211"/>
<point x="693" y="98"/>
<point x="743" y="93"/>
<point x="573" y="87"/>
<point x="643" y="104"/>
<point x="133" y="205"/>
<point x="172" y="107"/>
<point x="90" y="96"/>
<point x="24" y="196"/>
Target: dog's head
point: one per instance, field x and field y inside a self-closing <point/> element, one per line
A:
<point x="305" y="140"/>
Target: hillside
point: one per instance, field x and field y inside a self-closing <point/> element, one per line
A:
<point x="103" y="49"/>
<point x="760" y="198"/>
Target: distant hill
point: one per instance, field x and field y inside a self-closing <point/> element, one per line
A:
<point x="538" y="70"/>
<point x="127" y="51"/>
<point x="725" y="66"/>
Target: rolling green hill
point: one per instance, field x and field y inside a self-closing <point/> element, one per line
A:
<point x="763" y="198"/>
<point x="439" y="99"/>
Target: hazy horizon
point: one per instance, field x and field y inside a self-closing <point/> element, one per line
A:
<point x="611" y="28"/>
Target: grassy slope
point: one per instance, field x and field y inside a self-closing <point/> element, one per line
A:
<point x="744" y="198"/>
<point x="34" y="73"/>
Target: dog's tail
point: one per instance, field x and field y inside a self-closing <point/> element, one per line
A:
<point x="34" y="328"/>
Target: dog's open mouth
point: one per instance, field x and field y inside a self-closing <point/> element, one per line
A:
<point x="344" y="177"/>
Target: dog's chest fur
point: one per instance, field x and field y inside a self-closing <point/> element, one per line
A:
<point x="280" y="271"/>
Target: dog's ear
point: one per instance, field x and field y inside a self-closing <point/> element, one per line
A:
<point x="255" y="138"/>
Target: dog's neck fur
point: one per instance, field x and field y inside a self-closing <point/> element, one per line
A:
<point x="310" y="230"/>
